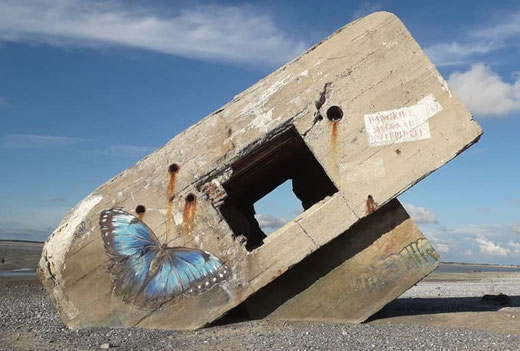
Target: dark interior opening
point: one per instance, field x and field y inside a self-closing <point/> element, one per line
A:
<point x="284" y="157"/>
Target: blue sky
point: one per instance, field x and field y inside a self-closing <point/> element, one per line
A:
<point x="88" y="88"/>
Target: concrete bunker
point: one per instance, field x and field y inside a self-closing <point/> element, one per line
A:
<point x="111" y="264"/>
<point x="284" y="157"/>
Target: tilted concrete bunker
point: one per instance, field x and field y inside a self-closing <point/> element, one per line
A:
<point x="173" y="243"/>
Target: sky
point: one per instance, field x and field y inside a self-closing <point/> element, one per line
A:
<point x="89" y="88"/>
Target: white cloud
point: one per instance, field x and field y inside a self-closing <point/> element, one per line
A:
<point x="484" y="91"/>
<point x="440" y="246"/>
<point x="485" y="243"/>
<point x="32" y="141"/>
<point x="516" y="228"/>
<point x="515" y="245"/>
<point x="507" y="27"/>
<point x="480" y="40"/>
<point x="127" y="150"/>
<point x="421" y="215"/>
<point x="468" y="252"/>
<point x="489" y="248"/>
<point x="499" y="233"/>
<point x="268" y="221"/>
<point x="365" y="9"/>
<point x="209" y="32"/>
<point x="443" y="54"/>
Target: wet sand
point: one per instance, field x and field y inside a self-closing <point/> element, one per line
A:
<point x="16" y="255"/>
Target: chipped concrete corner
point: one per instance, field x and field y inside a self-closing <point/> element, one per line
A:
<point x="172" y="243"/>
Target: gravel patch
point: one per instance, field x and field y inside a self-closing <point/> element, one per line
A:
<point x="28" y="321"/>
<point x="465" y="285"/>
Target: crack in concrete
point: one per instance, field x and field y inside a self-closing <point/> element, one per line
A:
<point x="48" y="266"/>
<point x="307" y="234"/>
<point x="323" y="97"/>
<point x="318" y="104"/>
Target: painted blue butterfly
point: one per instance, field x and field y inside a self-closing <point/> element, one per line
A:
<point x="145" y="272"/>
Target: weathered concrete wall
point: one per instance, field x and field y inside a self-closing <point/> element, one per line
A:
<point x="353" y="276"/>
<point x="399" y="122"/>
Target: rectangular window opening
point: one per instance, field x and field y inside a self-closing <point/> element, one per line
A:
<point x="285" y="157"/>
<point x="277" y="207"/>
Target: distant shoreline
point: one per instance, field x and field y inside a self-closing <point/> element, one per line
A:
<point x="21" y="241"/>
<point x="483" y="264"/>
<point x="16" y="241"/>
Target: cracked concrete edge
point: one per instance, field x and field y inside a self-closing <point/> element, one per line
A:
<point x="59" y="243"/>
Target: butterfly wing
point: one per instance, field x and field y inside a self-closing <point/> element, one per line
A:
<point x="184" y="270"/>
<point x="124" y="234"/>
<point x="143" y="272"/>
<point x="132" y="247"/>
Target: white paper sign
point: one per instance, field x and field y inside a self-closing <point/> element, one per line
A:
<point x="402" y="124"/>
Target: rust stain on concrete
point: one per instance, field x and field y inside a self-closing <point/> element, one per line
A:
<point x="188" y="215"/>
<point x="371" y="205"/>
<point x="334" y="145"/>
<point x="334" y="136"/>
<point x="173" y="170"/>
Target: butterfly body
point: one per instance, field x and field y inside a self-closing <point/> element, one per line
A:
<point x="156" y="262"/>
<point x="144" y="271"/>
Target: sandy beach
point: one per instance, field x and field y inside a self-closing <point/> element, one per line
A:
<point x="443" y="312"/>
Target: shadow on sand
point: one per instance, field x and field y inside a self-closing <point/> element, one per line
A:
<point x="419" y="306"/>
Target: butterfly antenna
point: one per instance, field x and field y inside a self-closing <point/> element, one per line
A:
<point x="164" y="238"/>
<point x="168" y="242"/>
